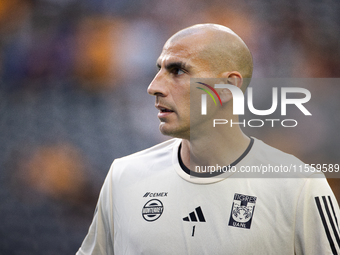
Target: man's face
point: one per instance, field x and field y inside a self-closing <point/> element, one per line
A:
<point x="177" y="63"/>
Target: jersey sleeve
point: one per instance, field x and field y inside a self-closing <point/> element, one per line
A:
<point x="317" y="219"/>
<point x="99" y="239"/>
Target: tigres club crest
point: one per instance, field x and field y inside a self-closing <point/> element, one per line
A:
<point x="242" y="211"/>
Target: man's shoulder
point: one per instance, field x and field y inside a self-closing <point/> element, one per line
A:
<point x="139" y="165"/>
<point x="279" y="163"/>
<point x="162" y="149"/>
<point x="267" y="153"/>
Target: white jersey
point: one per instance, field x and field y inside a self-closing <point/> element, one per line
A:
<point x="150" y="205"/>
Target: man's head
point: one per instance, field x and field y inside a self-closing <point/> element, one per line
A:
<point x="200" y="51"/>
<point x="221" y="48"/>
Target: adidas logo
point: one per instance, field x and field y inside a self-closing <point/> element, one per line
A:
<point x="194" y="217"/>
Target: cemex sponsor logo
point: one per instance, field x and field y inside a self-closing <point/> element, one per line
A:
<point x="239" y="105"/>
<point x="156" y="194"/>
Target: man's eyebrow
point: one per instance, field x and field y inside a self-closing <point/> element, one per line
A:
<point x="179" y="64"/>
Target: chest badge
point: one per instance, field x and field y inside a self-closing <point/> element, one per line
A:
<point x="242" y="211"/>
<point x="152" y="210"/>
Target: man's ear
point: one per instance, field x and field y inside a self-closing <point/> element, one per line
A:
<point x="232" y="78"/>
<point x="225" y="95"/>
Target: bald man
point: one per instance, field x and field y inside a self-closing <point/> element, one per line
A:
<point x="157" y="202"/>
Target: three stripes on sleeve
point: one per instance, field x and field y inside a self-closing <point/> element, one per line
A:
<point x="329" y="221"/>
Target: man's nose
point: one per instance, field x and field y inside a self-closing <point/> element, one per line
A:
<point x="157" y="86"/>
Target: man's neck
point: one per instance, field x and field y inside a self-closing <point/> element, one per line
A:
<point x="222" y="147"/>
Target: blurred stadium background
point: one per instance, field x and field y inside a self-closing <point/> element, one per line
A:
<point x="73" y="80"/>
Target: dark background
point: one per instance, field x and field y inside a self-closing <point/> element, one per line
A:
<point x="73" y="80"/>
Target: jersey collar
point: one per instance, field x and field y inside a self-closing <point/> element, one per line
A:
<point x="204" y="178"/>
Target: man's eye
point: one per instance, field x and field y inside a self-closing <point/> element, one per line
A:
<point x="178" y="71"/>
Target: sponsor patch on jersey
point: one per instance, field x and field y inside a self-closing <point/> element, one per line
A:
<point x="155" y="194"/>
<point x="242" y="211"/>
<point x="152" y="210"/>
